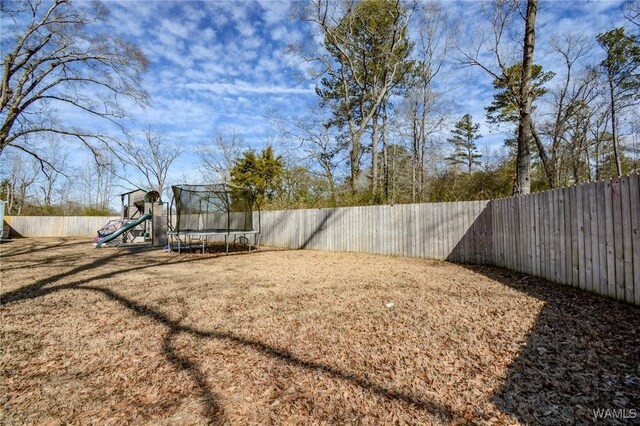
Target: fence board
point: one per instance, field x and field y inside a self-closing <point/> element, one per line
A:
<point x="574" y="237"/>
<point x="602" y="238"/>
<point x="562" y="276"/>
<point x="593" y="216"/>
<point x="548" y="235"/>
<point x="465" y="232"/>
<point x="588" y="253"/>
<point x="581" y="239"/>
<point x="504" y="226"/>
<point x="497" y="232"/>
<point x="510" y="234"/>
<point x="533" y="227"/>
<point x="503" y="232"/>
<point x="531" y="243"/>
<point x="627" y="239"/>
<point x="618" y="249"/>
<point x="479" y="240"/>
<point x="566" y="232"/>
<point x="526" y="227"/>
<point x="634" y="196"/>
<point x="608" y="215"/>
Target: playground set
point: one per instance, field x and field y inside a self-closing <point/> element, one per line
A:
<point x="143" y="219"/>
<point x="203" y="213"/>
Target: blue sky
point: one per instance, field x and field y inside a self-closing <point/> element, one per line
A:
<point x="223" y="66"/>
<point x="214" y="67"/>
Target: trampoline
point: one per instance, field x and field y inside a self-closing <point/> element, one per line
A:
<point x="213" y="212"/>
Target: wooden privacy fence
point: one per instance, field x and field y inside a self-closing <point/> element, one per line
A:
<point x="55" y="226"/>
<point x="459" y="231"/>
<point x="586" y="236"/>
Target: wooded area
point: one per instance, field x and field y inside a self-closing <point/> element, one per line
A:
<point x="383" y="128"/>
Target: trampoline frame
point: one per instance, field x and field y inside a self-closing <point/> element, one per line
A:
<point x="204" y="236"/>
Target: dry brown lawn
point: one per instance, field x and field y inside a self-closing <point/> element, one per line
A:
<point x="112" y="336"/>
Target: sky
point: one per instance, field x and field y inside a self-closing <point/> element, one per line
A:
<point x="223" y="66"/>
<point x="215" y="67"/>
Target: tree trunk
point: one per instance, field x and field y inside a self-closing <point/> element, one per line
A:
<point x="374" y="157"/>
<point x="614" y="133"/>
<point x="423" y="141"/>
<point x="414" y="154"/>
<point x="542" y="152"/>
<point x="10" y="188"/>
<point x="421" y="186"/>
<point x="523" y="159"/>
<point x="385" y="154"/>
<point x="393" y="171"/>
<point x="596" y="154"/>
<point x="355" y="163"/>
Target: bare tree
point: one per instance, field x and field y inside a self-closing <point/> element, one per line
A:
<point x="572" y="105"/>
<point x="20" y="175"/>
<point x="94" y="182"/>
<point x="104" y="172"/>
<point x="320" y="142"/>
<point x="150" y="157"/>
<point x="632" y="12"/>
<point x="55" y="59"/>
<point x="491" y="48"/>
<point x="54" y="168"/>
<point x="435" y="39"/>
<point x="218" y="157"/>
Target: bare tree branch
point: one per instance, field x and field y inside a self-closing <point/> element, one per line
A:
<point x="56" y="60"/>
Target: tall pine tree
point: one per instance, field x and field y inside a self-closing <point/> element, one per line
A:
<point x="465" y="133"/>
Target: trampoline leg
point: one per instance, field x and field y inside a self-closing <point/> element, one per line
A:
<point x="226" y="242"/>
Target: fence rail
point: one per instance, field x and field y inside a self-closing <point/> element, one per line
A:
<point x="586" y="236"/>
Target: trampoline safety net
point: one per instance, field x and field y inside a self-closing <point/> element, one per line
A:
<point x="213" y="208"/>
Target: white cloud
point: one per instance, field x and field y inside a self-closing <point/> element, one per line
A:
<point x="251" y="43"/>
<point x="208" y="34"/>
<point x="205" y="52"/>
<point x="176" y="27"/>
<point x="245" y="28"/>
<point x="239" y="86"/>
<point x="275" y="11"/>
<point x="285" y="34"/>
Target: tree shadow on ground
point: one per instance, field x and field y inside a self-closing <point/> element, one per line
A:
<point x="30" y="248"/>
<point x="211" y="408"/>
<point x="583" y="354"/>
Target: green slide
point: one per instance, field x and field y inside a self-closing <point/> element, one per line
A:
<point x="124" y="229"/>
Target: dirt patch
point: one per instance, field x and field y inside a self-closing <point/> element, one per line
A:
<point x="113" y="336"/>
